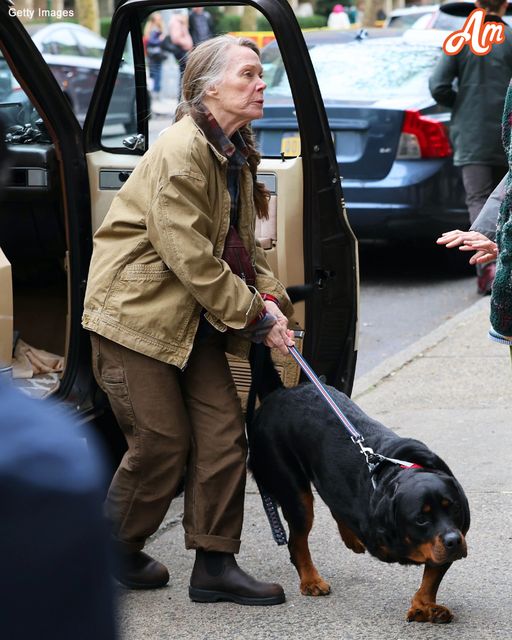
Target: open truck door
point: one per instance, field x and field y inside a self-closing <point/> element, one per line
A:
<point x="62" y="180"/>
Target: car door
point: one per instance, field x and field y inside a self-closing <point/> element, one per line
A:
<point x="45" y="227"/>
<point x="62" y="181"/>
<point x="308" y="240"/>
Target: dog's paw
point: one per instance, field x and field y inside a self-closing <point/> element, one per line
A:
<point x="315" y="588"/>
<point x="429" y="612"/>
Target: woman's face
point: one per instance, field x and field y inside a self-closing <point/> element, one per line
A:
<point x="238" y="98"/>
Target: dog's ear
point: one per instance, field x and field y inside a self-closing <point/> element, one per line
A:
<point x="465" y="518"/>
<point x="383" y="527"/>
<point x="415" y="451"/>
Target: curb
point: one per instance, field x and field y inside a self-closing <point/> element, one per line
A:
<point x="378" y="374"/>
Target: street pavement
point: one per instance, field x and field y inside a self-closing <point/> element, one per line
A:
<point x="451" y="389"/>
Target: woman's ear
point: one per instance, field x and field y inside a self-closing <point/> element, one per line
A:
<point x="212" y="92"/>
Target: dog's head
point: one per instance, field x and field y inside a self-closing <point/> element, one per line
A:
<point x="420" y="516"/>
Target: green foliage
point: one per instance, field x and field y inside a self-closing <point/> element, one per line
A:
<point x="312" y="22"/>
<point x="262" y="24"/>
<point x="229" y="22"/>
<point x="105" y="25"/>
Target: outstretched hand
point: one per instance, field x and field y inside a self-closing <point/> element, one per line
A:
<point x="486" y="250"/>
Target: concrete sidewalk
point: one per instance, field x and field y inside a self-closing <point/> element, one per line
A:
<point x="451" y="390"/>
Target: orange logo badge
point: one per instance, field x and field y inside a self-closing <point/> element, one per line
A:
<point x="477" y="34"/>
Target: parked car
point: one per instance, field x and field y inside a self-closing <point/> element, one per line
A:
<point x="63" y="179"/>
<point x="451" y="16"/>
<point x="406" y="17"/>
<point x="391" y="139"/>
<point x="73" y="54"/>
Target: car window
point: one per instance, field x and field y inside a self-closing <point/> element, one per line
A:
<point x="61" y="42"/>
<point x="91" y="45"/>
<point x="121" y="119"/>
<point x="406" y="21"/>
<point x="381" y="69"/>
<point x="122" y="125"/>
<point x="449" y="22"/>
<point x="16" y="111"/>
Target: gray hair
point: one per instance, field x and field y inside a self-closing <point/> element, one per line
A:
<point x="206" y="65"/>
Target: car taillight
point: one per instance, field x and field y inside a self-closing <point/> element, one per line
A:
<point x="422" y="137"/>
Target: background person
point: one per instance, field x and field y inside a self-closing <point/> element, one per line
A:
<point x="154" y="34"/>
<point x="164" y="306"/>
<point x="53" y="531"/>
<point x="181" y="42"/>
<point x="481" y="238"/>
<point x="501" y="297"/>
<point x="200" y="25"/>
<point x="338" y="19"/>
<point x="477" y="106"/>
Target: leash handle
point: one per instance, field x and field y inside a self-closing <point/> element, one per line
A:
<point x="356" y="436"/>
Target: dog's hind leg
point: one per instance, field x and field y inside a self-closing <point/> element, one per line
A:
<point x="423" y="605"/>
<point x="311" y="583"/>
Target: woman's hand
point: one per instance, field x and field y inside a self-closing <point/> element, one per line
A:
<point x="486" y="250"/>
<point x="279" y="336"/>
<point x="456" y="238"/>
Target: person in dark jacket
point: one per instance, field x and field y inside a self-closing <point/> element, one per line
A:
<point x="501" y="298"/>
<point x="200" y="24"/>
<point x="56" y="559"/>
<point x="477" y="103"/>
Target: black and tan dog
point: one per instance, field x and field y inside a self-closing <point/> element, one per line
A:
<point x="412" y="516"/>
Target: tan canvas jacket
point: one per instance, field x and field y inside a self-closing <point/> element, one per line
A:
<point x="157" y="256"/>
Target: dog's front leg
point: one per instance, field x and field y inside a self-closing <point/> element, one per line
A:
<point x="311" y="583"/>
<point x="423" y="605"/>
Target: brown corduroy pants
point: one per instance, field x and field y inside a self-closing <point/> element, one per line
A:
<point x="175" y="421"/>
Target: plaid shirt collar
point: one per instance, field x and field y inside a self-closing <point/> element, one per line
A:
<point x="234" y="149"/>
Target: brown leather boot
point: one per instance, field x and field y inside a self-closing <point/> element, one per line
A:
<point x="216" y="577"/>
<point x="137" y="570"/>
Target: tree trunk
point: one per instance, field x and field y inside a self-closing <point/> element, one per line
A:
<point x="248" y="21"/>
<point x="88" y="14"/>
<point x="370" y="12"/>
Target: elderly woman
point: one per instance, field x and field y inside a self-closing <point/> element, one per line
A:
<point x="176" y="280"/>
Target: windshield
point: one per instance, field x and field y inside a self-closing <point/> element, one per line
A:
<point x="381" y="69"/>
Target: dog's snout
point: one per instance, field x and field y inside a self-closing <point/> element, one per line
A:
<point x="452" y="540"/>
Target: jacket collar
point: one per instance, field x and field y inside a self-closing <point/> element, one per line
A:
<point x="234" y="149"/>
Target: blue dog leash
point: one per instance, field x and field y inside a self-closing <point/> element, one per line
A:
<point x="372" y="458"/>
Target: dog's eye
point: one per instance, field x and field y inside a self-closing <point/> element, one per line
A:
<point x="422" y="520"/>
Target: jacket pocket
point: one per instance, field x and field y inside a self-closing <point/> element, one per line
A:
<point x="150" y="300"/>
<point x="138" y="272"/>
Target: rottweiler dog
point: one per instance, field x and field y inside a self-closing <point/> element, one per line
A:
<point x="417" y="515"/>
